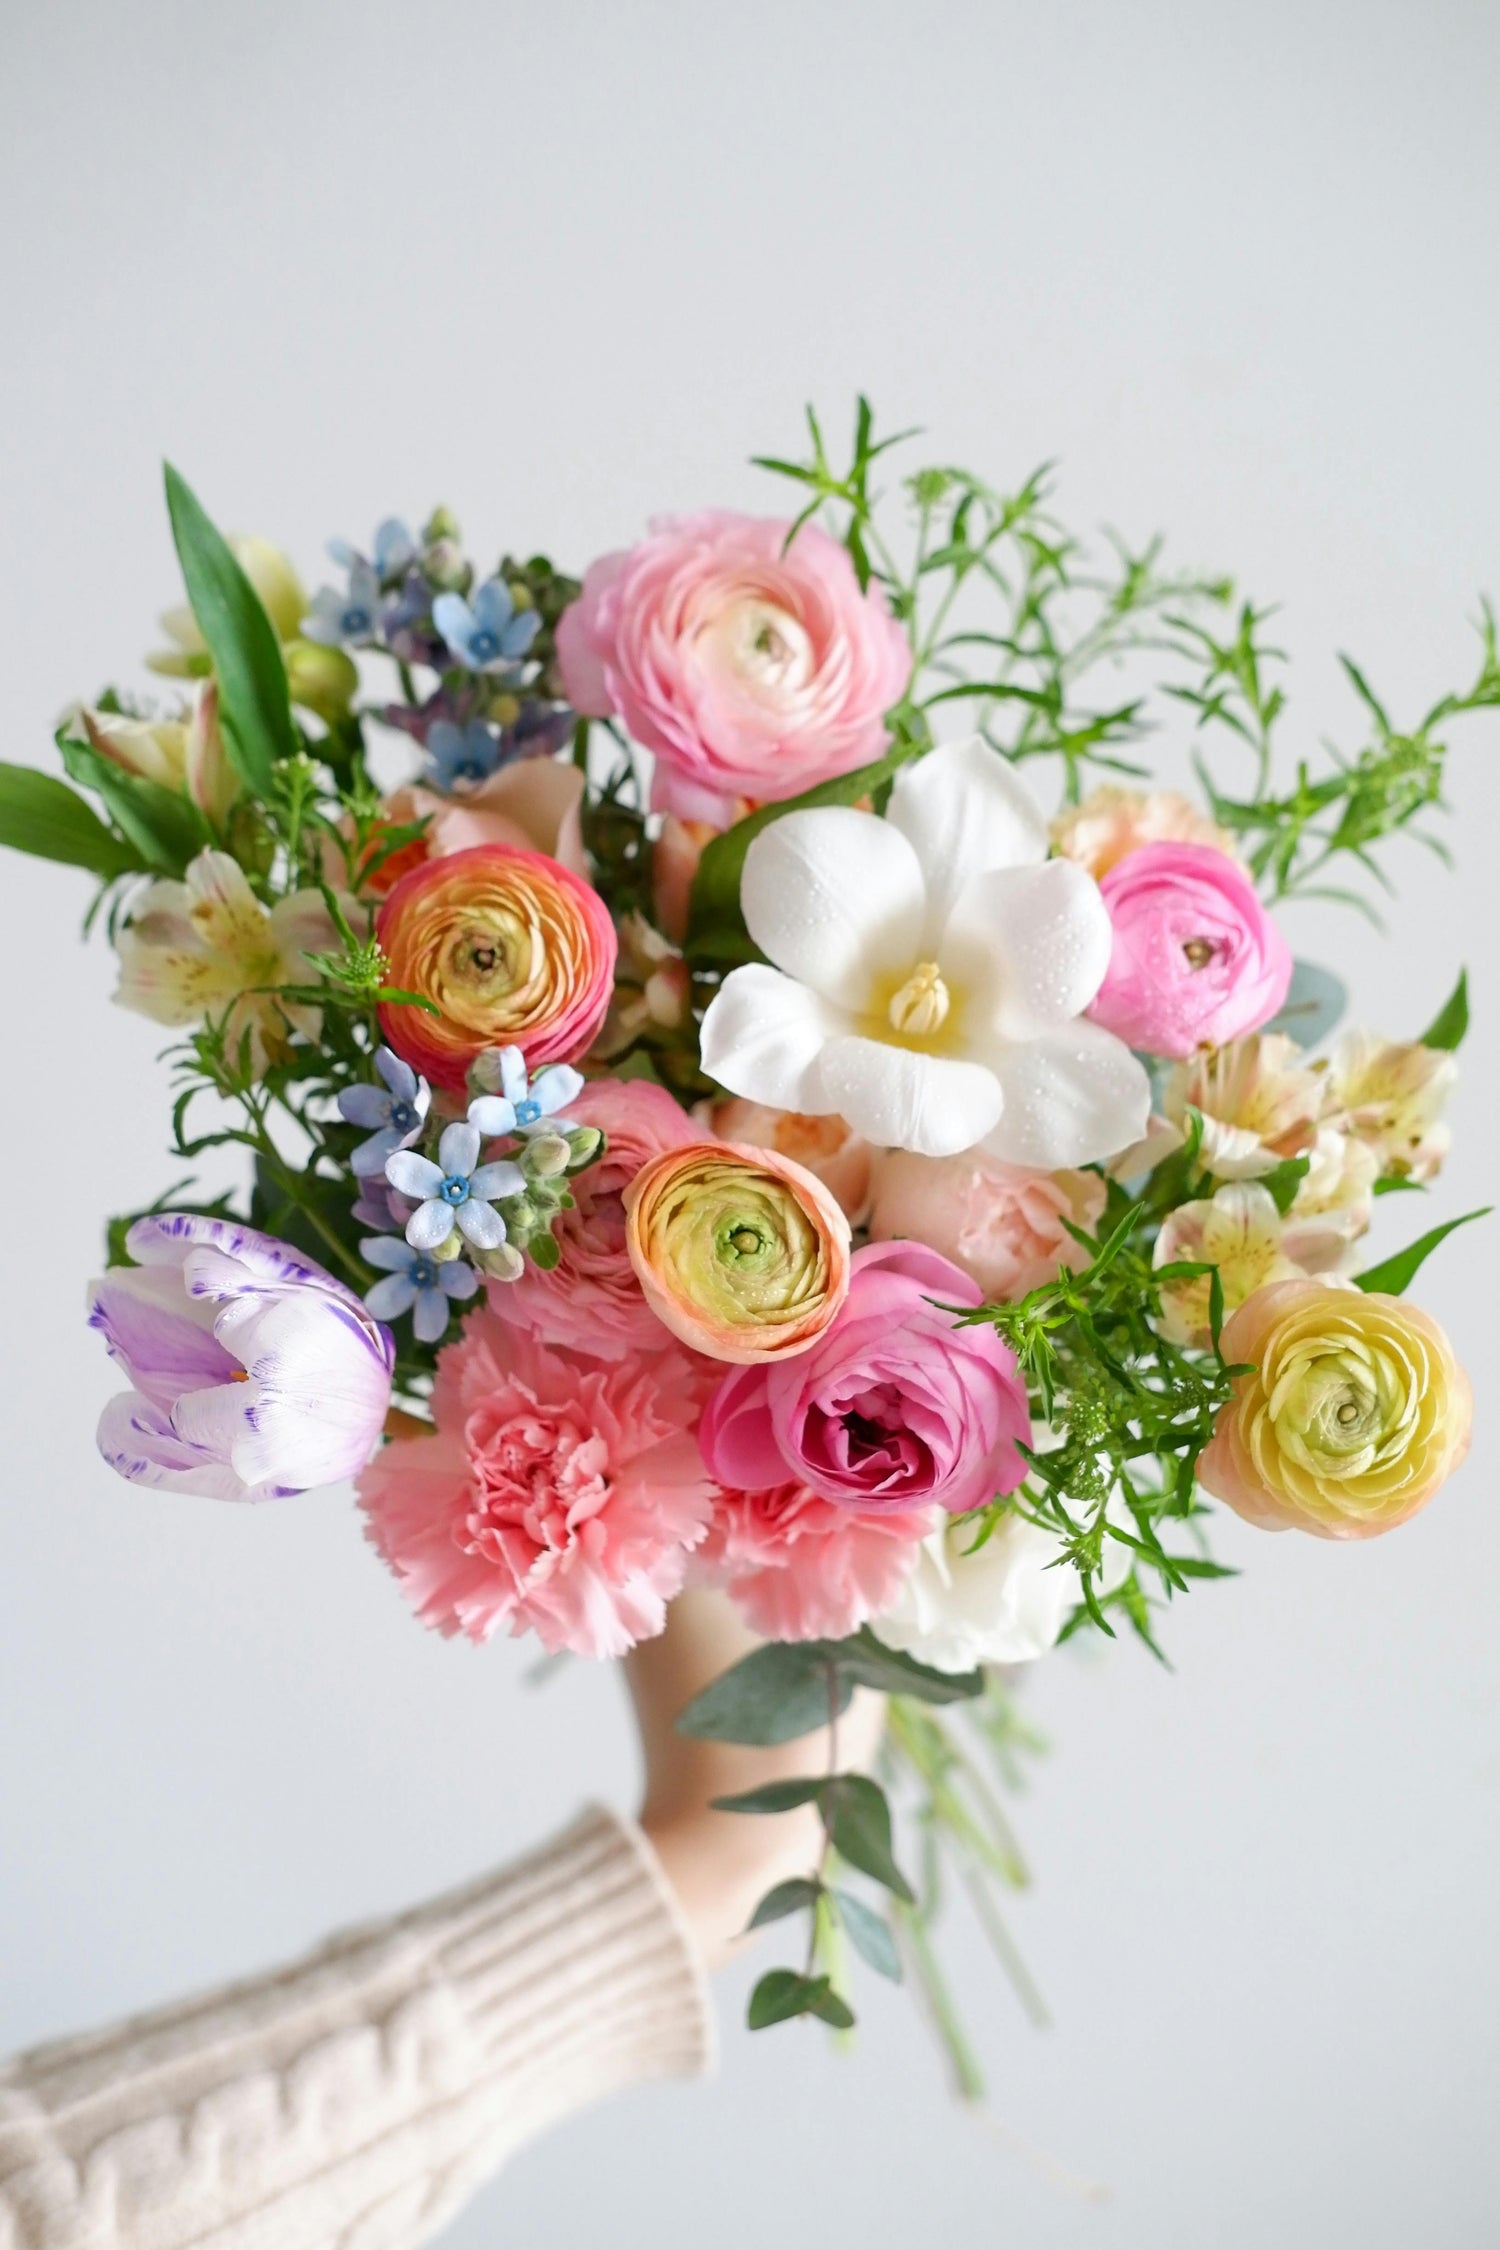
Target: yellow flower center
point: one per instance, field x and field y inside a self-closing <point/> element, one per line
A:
<point x="1199" y="952"/>
<point x="921" y="1005"/>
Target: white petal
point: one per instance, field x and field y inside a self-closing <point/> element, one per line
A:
<point x="1072" y="1096"/>
<point x="900" y="1099"/>
<point x="763" y="1035"/>
<point x="964" y="808"/>
<point x="835" y="898"/>
<point x="1031" y="944"/>
<point x="458" y="1150"/>
<point x="429" y="1224"/>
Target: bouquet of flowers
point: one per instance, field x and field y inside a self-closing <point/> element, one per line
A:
<point x="742" y="1080"/>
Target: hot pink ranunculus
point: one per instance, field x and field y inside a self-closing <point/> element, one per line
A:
<point x="1001" y="1222"/>
<point x="802" y="1568"/>
<point x="592" y="1300"/>
<point x="1196" y="960"/>
<point x="749" y="672"/>
<point x="558" y="1495"/>
<point x="895" y="1407"/>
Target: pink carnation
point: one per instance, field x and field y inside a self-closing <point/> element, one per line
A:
<point x="1196" y="960"/>
<point x="749" y="672"/>
<point x="802" y="1568"/>
<point x="558" y="1495"/>
<point x="592" y="1301"/>
<point x="894" y="1408"/>
<point x="1005" y="1225"/>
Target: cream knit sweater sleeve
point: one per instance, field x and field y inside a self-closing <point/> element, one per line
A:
<point x="354" y="2100"/>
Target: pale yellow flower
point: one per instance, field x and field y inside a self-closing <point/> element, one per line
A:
<point x="206" y="948"/>
<point x="1339" y="1184"/>
<point x="1259" y="1101"/>
<point x="1239" y="1230"/>
<point x="1112" y="822"/>
<point x="1390" y="1094"/>
<point x="274" y="578"/>
<point x="1354" y="1412"/>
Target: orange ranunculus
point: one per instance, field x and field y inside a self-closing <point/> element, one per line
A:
<point x="741" y="1252"/>
<point x="509" y="946"/>
<point x="1354" y="1412"/>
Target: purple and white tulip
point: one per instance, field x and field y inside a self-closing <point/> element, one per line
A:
<point x="254" y="1373"/>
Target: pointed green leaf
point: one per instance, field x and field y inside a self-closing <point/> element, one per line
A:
<point x="787" y="1898"/>
<point x="859" y="1821"/>
<point x="254" y="707"/>
<point x="772" y="1695"/>
<point x="165" y="827"/>
<point x="782" y="1994"/>
<point x="869" y="1663"/>
<point x="1283" y="1180"/>
<point x="1393" y="1275"/>
<point x="869" y="1935"/>
<point x="772" y="1796"/>
<point x="41" y="815"/>
<point x="1452" y="1020"/>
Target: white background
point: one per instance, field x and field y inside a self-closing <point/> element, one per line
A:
<point x="563" y="266"/>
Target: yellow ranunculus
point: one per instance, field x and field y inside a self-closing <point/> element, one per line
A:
<point x="1354" y="1413"/>
<point x="741" y="1252"/>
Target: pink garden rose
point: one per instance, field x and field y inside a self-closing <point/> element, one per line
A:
<point x="802" y="1568"/>
<point x="894" y="1408"/>
<point x="1196" y="959"/>
<point x="748" y="672"/>
<point x="558" y="1495"/>
<point x="592" y="1301"/>
<point x="1002" y="1223"/>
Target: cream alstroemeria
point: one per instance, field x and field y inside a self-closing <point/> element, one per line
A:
<point x="1239" y="1230"/>
<point x="207" y="947"/>
<point x="1390" y="1094"/>
<point x="1258" y="1099"/>
<point x="1340" y="1182"/>
<point x="931" y="972"/>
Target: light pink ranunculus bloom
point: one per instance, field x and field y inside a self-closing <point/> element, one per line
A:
<point x="1196" y="958"/>
<point x="895" y="1407"/>
<point x="557" y="1495"/>
<point x="592" y="1300"/>
<point x="1113" y="822"/>
<point x="802" y="1568"/>
<point x="747" y="671"/>
<point x="1002" y="1223"/>
<point x="254" y="1373"/>
<point x="825" y="1146"/>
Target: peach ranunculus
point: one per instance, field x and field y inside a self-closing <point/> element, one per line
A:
<point x="742" y="1253"/>
<point x="1258" y="1099"/>
<point x="206" y="949"/>
<point x="1112" y="822"/>
<point x="510" y="947"/>
<point x="1002" y="1223"/>
<point x="748" y="666"/>
<point x="1390" y="1094"/>
<point x="1353" y="1414"/>
<point x="592" y="1300"/>
<point x="534" y="803"/>
<point x="1239" y="1230"/>
<point x="825" y="1146"/>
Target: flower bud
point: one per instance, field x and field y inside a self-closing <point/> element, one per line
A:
<point x="545" y="1156"/>
<point x="585" y="1143"/>
<point x="212" y="782"/>
<point x="445" y="567"/>
<point x="447" y="1250"/>
<point x="323" y="680"/>
<point x="155" y="749"/>
<point x="441" y="524"/>
<point x="503" y="1264"/>
<point x="521" y="1214"/>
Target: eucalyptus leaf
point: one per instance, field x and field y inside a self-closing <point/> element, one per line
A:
<point x="787" y="1898"/>
<point x="41" y="815"/>
<point x="869" y="1663"/>
<point x="773" y="1695"/>
<point x="782" y="1994"/>
<point x="1448" y="1027"/>
<point x="773" y="1796"/>
<point x="858" y="1819"/>
<point x="255" y="707"/>
<point x="1393" y="1275"/>
<point x="869" y="1935"/>
<point x="1315" y="1003"/>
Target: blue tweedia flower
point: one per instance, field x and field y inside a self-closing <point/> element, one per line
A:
<point x="395" y="551"/>
<point x="488" y="633"/>
<point x="522" y="1105"/>
<point x="352" y="616"/>
<point x="458" y="757"/>
<point x="456" y="1191"/>
<point x="411" y="1278"/>
<point x="393" y="1115"/>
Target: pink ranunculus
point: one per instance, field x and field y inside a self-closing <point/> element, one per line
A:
<point x="749" y="672"/>
<point x="1002" y="1223"/>
<point x="802" y="1568"/>
<point x="1196" y="959"/>
<point x="896" y="1407"/>
<point x="592" y="1301"/>
<point x="254" y="1373"/>
<point x="825" y="1146"/>
<point x="557" y="1495"/>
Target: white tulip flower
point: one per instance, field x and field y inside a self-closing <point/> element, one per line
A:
<point x="930" y="974"/>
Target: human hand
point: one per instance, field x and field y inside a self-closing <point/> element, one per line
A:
<point x="722" y="1864"/>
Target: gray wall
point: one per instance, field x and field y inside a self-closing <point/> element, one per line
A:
<point x="563" y="266"/>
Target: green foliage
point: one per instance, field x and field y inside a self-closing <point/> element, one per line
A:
<point x="788" y="1688"/>
<point x="1313" y="1007"/>
<point x="1451" y="1023"/>
<point x="255" y="709"/>
<point x="869" y="1935"/>
<point x="162" y="828"/>
<point x="1396" y="1274"/>
<point x="41" y="815"/>
<point x="782" y="1994"/>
